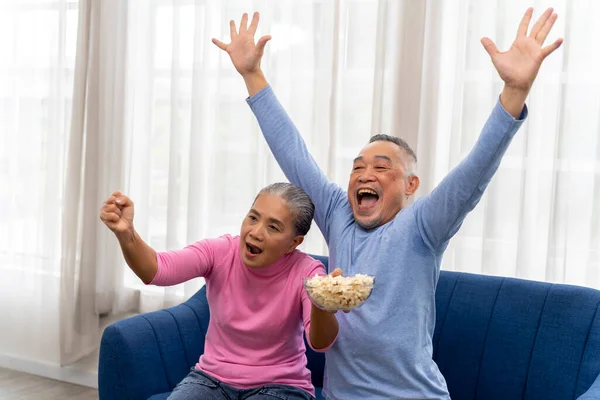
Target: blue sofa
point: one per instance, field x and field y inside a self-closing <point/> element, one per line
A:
<point x="495" y="338"/>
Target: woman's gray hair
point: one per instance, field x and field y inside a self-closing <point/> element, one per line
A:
<point x="300" y="205"/>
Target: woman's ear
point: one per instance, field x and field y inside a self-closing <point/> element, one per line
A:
<point x="295" y="243"/>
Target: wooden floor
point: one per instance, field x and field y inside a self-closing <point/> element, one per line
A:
<point x="20" y="386"/>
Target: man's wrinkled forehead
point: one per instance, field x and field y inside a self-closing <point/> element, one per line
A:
<point x="381" y="150"/>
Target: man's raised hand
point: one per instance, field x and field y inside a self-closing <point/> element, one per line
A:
<point x="244" y="53"/>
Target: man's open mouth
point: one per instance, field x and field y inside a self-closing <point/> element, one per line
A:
<point x="367" y="198"/>
<point x="253" y="249"/>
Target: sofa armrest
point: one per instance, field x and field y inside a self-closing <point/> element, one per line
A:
<point x="150" y="353"/>
<point x="593" y="393"/>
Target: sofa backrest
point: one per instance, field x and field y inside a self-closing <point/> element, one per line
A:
<point x="505" y="338"/>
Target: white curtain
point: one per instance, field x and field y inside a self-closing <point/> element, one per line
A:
<point x="90" y="283"/>
<point x="37" y="56"/>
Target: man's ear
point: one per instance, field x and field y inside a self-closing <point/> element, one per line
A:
<point x="412" y="184"/>
<point x="297" y="241"/>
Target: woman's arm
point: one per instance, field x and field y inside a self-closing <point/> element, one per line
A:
<point x="117" y="214"/>
<point x="321" y="327"/>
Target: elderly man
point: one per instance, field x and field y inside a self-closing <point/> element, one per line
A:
<point x="384" y="349"/>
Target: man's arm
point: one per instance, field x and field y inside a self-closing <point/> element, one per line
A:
<point x="281" y="134"/>
<point x="440" y="214"/>
<point x="293" y="156"/>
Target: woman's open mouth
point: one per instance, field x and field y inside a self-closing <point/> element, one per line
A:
<point x="253" y="250"/>
<point x="367" y="198"/>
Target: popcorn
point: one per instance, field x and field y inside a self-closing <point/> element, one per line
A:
<point x="333" y="293"/>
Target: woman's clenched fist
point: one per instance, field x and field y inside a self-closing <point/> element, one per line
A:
<point x="117" y="213"/>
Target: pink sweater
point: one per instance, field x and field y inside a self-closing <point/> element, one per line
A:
<point x="256" y="315"/>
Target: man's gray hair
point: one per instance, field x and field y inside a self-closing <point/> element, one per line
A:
<point x="300" y="205"/>
<point x="410" y="154"/>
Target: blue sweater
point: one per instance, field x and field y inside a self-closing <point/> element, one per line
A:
<point x="384" y="348"/>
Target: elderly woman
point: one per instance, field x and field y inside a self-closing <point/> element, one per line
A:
<point x="254" y="283"/>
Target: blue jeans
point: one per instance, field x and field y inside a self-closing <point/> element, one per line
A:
<point x="200" y="386"/>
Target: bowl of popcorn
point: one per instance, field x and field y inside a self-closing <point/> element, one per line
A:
<point x="335" y="293"/>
